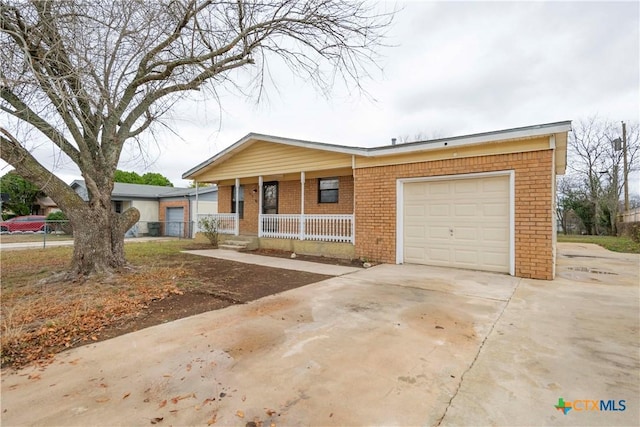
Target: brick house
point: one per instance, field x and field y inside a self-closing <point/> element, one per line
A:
<point x="482" y="201"/>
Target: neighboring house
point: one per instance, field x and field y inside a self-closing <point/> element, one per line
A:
<point x="44" y="206"/>
<point x="482" y="201"/>
<point x="174" y="208"/>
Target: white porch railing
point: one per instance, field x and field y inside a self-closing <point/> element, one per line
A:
<point x="326" y="228"/>
<point x="227" y="223"/>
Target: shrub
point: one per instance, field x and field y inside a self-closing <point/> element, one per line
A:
<point x="630" y="229"/>
<point x="209" y="226"/>
<point x="58" y="222"/>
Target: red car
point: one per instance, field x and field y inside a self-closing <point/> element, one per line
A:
<point x="24" y="223"/>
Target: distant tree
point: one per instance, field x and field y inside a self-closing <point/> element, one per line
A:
<point x="192" y="184"/>
<point x="149" y="178"/>
<point x="152" y="178"/>
<point x="22" y="193"/>
<point x="596" y="164"/>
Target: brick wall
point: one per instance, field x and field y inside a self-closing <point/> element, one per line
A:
<point x="376" y="206"/>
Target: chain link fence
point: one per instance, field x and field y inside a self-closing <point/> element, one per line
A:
<point x="61" y="230"/>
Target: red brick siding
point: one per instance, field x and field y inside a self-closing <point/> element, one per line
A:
<point x="375" y="190"/>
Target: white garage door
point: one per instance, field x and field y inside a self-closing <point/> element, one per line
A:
<point x="462" y="223"/>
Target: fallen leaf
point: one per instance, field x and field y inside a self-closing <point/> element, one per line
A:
<point x="271" y="412"/>
<point x="188" y="367"/>
<point x="240" y="414"/>
<point x="244" y="398"/>
<point x="102" y="399"/>
<point x="94" y="338"/>
<point x="103" y="385"/>
<point x="163" y="404"/>
<point x="126" y="395"/>
<point x="156" y="420"/>
<point x="212" y="420"/>
<point x="34" y="376"/>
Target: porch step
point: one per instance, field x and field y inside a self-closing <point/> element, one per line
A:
<point x="234" y="246"/>
<point x="238" y="243"/>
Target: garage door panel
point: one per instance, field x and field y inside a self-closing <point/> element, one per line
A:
<point x="465" y="186"/>
<point x="493" y="209"/>
<point x="476" y="210"/>
<point x="439" y="256"/>
<point x="415" y="210"/>
<point x="466" y="209"/>
<point x="437" y="189"/>
<point x="439" y="210"/>
<point x="462" y="234"/>
<point x="435" y="232"/>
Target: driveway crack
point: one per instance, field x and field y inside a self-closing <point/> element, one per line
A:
<point x="473" y="362"/>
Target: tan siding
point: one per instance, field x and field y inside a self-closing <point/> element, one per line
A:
<point x="265" y="158"/>
<point x="456" y="152"/>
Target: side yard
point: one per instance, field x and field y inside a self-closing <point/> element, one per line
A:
<point x="613" y="243"/>
<point x="40" y="318"/>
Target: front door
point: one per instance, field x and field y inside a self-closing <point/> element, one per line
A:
<point x="270" y="197"/>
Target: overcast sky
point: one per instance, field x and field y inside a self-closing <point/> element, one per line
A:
<point x="456" y="68"/>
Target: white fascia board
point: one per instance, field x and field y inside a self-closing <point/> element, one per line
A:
<point x="529" y="132"/>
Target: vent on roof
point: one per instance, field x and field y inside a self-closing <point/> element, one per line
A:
<point x="393" y="141"/>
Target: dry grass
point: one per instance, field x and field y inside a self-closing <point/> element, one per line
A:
<point x="40" y="318"/>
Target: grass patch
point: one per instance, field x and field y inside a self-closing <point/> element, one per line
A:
<point x="40" y="319"/>
<point x="613" y="243"/>
<point x="33" y="237"/>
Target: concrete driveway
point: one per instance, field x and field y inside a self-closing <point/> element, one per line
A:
<point x="391" y="345"/>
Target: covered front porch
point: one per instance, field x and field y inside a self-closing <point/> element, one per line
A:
<point x="316" y="206"/>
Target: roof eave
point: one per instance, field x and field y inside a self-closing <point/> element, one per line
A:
<point x="496" y="136"/>
<point x="254" y="137"/>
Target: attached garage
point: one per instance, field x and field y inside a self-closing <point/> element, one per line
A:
<point x="462" y="221"/>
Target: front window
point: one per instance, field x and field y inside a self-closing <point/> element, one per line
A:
<point x="328" y="190"/>
<point x="241" y="201"/>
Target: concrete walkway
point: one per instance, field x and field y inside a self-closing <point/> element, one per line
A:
<point x="390" y="345"/>
<point x="277" y="262"/>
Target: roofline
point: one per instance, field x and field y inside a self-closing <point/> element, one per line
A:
<point x="477" y="138"/>
<point x="252" y="136"/>
<point x="471" y="139"/>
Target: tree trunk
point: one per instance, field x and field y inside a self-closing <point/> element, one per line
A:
<point x="98" y="239"/>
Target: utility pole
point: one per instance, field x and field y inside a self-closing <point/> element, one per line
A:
<point x="625" y="170"/>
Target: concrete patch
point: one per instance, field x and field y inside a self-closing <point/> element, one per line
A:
<point x="275" y="262"/>
<point x="576" y="338"/>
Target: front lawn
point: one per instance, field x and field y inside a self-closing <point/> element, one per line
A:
<point x="613" y="243"/>
<point x="41" y="318"/>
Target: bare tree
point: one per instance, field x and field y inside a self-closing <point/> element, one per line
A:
<point x="93" y="76"/>
<point x="596" y="164"/>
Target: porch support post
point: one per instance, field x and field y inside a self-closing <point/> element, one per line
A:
<point x="260" y="206"/>
<point x="302" y="230"/>
<point x="237" y="221"/>
<point x="195" y="228"/>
